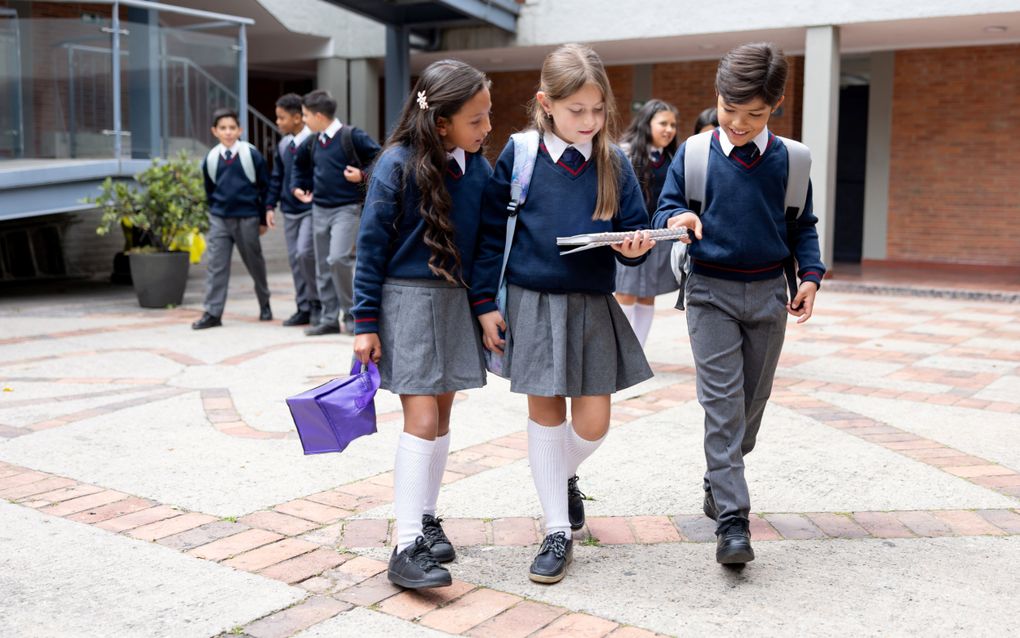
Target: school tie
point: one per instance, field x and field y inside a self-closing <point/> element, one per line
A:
<point x="292" y="146"/>
<point x="227" y="155"/>
<point x="656" y="157"/>
<point x="572" y="158"/>
<point x="453" y="166"/>
<point x="748" y="152"/>
<point x="323" y="139"/>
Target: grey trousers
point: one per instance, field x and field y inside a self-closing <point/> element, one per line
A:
<point x="301" y="255"/>
<point x="737" y="331"/>
<point x="224" y="233"/>
<point x="336" y="234"/>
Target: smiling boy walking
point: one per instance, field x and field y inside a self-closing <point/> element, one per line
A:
<point x="736" y="295"/>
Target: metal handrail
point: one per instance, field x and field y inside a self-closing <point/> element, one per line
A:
<point x="264" y="134"/>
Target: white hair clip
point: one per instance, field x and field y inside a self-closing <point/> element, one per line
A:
<point x="423" y="104"/>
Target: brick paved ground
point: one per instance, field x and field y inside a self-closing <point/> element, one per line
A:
<point x="148" y="458"/>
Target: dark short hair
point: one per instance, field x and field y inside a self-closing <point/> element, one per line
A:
<point x="320" y="101"/>
<point x="219" y="114"/>
<point x="706" y="117"/>
<point x="291" y="102"/>
<point x="750" y="71"/>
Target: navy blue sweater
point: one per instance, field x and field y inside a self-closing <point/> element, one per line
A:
<point x="279" y="183"/>
<point x="391" y="239"/>
<point x="744" y="220"/>
<point x="232" y="194"/>
<point x="326" y="178"/>
<point x="558" y="204"/>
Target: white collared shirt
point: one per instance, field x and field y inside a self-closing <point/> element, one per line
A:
<point x="302" y="136"/>
<point x="458" y="155"/>
<point x="233" y="149"/>
<point x="761" y="140"/>
<point x="331" y="130"/>
<point x="556" y="146"/>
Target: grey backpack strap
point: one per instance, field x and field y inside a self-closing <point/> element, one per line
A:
<point x="247" y="163"/>
<point x="696" y="151"/>
<point x="212" y="162"/>
<point x="798" y="176"/>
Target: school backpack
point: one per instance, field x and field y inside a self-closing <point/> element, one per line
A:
<point x="525" y="155"/>
<point x="347" y="144"/>
<point x="696" y="156"/>
<point x="212" y="161"/>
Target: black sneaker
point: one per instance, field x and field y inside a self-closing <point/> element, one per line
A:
<point x="733" y="546"/>
<point x="550" y="566"/>
<point x="710" y="508"/>
<point x="265" y="313"/>
<point x="207" y="321"/>
<point x="299" y="318"/>
<point x="435" y="538"/>
<point x="575" y="504"/>
<point x="416" y="568"/>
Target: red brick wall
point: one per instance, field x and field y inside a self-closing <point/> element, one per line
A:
<point x="954" y="193"/>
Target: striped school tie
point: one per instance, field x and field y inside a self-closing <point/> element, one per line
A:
<point x="572" y="158"/>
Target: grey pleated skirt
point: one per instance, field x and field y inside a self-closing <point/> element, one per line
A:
<point x="431" y="342"/>
<point x="575" y="344"/>
<point x="652" y="277"/>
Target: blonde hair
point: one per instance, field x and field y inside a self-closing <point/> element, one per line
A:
<point x="565" y="72"/>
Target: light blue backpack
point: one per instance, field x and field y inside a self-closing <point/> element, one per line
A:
<point x="525" y="155"/>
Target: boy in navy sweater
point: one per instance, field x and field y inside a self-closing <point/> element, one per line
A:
<point x="236" y="185"/>
<point x="297" y="215"/>
<point x="737" y="299"/>
<point x="329" y="174"/>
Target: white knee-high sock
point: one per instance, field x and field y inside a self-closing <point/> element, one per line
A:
<point x="628" y="312"/>
<point x="642" y="321"/>
<point x="578" y="448"/>
<point x="410" y="484"/>
<point x="437" y="467"/>
<point x="548" y="461"/>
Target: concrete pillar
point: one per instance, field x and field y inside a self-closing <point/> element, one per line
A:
<point x="143" y="75"/>
<point x="332" y="75"/>
<point x="820" y="126"/>
<point x="876" y="176"/>
<point x="398" y="72"/>
<point x="364" y="97"/>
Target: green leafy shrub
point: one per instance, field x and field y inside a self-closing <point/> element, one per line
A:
<point x="164" y="211"/>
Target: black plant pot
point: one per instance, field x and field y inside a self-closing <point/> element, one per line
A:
<point x="159" y="278"/>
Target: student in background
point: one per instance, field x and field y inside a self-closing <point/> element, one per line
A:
<point x="650" y="143"/>
<point x="297" y="215"/>
<point x="236" y="185"/>
<point x="330" y="173"/>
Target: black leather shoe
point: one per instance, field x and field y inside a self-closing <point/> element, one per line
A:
<point x="435" y="537"/>
<point x="207" y="321"/>
<point x="416" y="568"/>
<point x="299" y="318"/>
<point x="313" y="314"/>
<point x="550" y="566"/>
<point x="265" y="314"/>
<point x="575" y="504"/>
<point x="323" y="329"/>
<point x="711" y="509"/>
<point x="733" y="546"/>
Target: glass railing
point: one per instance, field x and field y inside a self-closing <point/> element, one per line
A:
<point x="59" y="98"/>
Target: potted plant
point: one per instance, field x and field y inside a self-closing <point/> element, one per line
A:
<point x="165" y="214"/>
